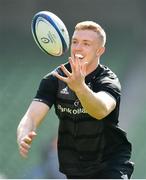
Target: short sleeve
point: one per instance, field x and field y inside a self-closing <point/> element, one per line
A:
<point x="111" y="86"/>
<point x="46" y="92"/>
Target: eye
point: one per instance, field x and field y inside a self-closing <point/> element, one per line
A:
<point x="86" y="44"/>
<point x="74" y="41"/>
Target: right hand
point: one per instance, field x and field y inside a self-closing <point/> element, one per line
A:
<point x="76" y="78"/>
<point x="25" y="143"/>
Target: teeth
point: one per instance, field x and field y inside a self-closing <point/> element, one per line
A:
<point x="79" y="56"/>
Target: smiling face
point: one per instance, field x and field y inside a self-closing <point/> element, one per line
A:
<point x="87" y="46"/>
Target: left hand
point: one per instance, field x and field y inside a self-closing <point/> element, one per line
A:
<point x="76" y="78"/>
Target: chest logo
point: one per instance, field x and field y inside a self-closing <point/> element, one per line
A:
<point x="64" y="90"/>
<point x="76" y="103"/>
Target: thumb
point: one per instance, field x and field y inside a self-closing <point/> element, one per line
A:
<point x="32" y="135"/>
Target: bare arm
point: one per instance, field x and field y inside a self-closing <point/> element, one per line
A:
<point x="98" y="105"/>
<point x="28" y="125"/>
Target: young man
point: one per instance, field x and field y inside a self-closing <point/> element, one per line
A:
<point x="86" y="96"/>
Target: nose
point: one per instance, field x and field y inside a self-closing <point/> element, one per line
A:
<point x="78" y="46"/>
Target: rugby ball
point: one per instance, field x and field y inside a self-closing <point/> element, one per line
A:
<point x="50" y="33"/>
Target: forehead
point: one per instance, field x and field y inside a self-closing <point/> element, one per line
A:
<point x="88" y="35"/>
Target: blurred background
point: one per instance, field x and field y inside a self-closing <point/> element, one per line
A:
<point x="23" y="64"/>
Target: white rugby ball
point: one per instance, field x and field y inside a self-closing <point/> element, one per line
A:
<point x="50" y="33"/>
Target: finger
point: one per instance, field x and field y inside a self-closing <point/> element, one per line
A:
<point x="24" y="145"/>
<point x="23" y="152"/>
<point x="27" y="140"/>
<point x="72" y="64"/>
<point x="23" y="149"/>
<point x="77" y="63"/>
<point x="60" y="77"/>
<point x="84" y="68"/>
<point x="32" y="135"/>
<point x="66" y="72"/>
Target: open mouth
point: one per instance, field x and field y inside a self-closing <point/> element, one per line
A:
<point x="79" y="56"/>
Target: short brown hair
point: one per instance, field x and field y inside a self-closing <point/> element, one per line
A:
<point x="90" y="25"/>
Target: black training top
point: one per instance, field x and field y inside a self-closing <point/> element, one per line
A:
<point x="85" y="144"/>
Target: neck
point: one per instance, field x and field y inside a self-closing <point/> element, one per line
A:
<point x="92" y="67"/>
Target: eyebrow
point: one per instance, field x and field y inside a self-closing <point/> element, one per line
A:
<point x="85" y="40"/>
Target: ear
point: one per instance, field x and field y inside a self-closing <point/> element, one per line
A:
<point x="100" y="51"/>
